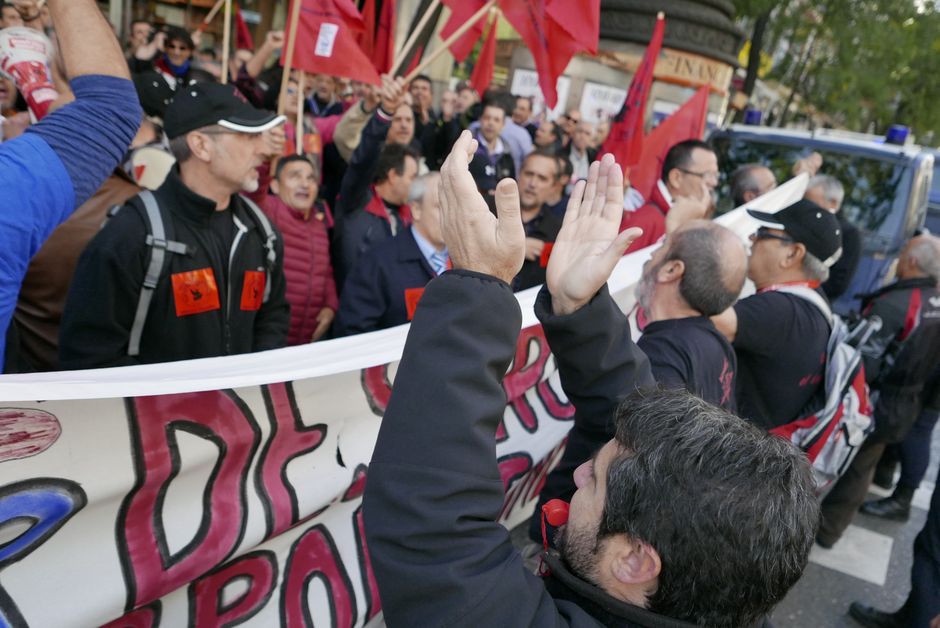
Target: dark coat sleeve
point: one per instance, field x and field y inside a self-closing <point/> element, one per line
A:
<point x="102" y="299"/>
<point x="599" y="365"/>
<point x="434" y="490"/>
<point x="360" y="172"/>
<point x="273" y="319"/>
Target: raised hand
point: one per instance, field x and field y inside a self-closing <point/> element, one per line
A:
<point x="393" y="93"/>
<point x="589" y="246"/>
<point x="688" y="208"/>
<point x="477" y="240"/>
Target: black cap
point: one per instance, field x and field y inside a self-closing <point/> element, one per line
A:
<point x="206" y="104"/>
<point x="809" y="224"/>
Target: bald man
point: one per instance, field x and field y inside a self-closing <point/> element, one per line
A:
<point x="698" y="272"/>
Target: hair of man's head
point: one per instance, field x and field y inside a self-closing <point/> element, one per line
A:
<point x="680" y="156"/>
<point x="133" y="22"/>
<point x="567" y="168"/>
<point x="831" y="188"/>
<point x="283" y="162"/>
<point x="744" y="180"/>
<point x="422" y="77"/>
<point x="713" y="278"/>
<point x="175" y="33"/>
<point x="499" y="98"/>
<point x="925" y="252"/>
<point x="420" y="186"/>
<point x="814" y="269"/>
<point x="730" y="509"/>
<point x="548" y="154"/>
<point x="393" y="157"/>
<point x="528" y="99"/>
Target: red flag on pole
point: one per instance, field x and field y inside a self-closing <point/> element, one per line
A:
<point x="326" y="41"/>
<point x="553" y="31"/>
<point x="483" y="70"/>
<point x="243" y="38"/>
<point x="460" y="13"/>
<point x="625" y="141"/>
<point x="686" y="123"/>
<point x="377" y="39"/>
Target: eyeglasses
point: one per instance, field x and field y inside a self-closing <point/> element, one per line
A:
<point x="763" y="233"/>
<point x="707" y="176"/>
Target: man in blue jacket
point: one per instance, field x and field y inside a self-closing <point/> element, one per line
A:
<point x="689" y="516"/>
<point x="59" y="163"/>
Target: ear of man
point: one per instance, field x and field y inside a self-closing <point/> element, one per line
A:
<point x="671" y="271"/>
<point x="795" y="256"/>
<point x="635" y="562"/>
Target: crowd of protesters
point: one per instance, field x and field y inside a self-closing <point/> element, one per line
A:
<point x="197" y="221"/>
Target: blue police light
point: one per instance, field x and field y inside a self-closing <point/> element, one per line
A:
<point x="753" y="117"/>
<point x="897" y="134"/>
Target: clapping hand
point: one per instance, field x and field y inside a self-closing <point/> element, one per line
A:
<point x="477" y="240"/>
<point x="589" y="246"/>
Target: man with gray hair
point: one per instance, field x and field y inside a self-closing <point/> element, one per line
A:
<point x="698" y="272"/>
<point x="827" y="192"/>
<point x="387" y="282"/>
<point x="750" y="181"/>
<point x="780" y="334"/>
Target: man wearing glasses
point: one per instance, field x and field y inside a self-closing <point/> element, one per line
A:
<point x="690" y="172"/>
<point x="213" y="283"/>
<point x="780" y="334"/>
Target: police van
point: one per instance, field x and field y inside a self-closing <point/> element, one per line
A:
<point x="886" y="187"/>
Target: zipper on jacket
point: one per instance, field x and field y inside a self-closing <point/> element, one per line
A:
<point x="227" y="330"/>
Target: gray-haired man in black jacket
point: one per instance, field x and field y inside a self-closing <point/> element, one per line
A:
<point x="688" y="516"/>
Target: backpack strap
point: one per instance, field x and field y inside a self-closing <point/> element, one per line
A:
<point x="270" y="238"/>
<point x="808" y="294"/>
<point x="159" y="246"/>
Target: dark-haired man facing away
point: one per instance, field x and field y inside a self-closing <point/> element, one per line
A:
<point x="688" y="517"/>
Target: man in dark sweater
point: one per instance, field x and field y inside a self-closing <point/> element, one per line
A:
<point x="827" y="192"/>
<point x="440" y="558"/>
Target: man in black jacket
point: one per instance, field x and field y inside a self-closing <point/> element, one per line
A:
<point x="828" y="192"/>
<point x="220" y="290"/>
<point x="690" y="516"/>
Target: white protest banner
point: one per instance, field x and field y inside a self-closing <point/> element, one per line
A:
<point x="601" y="102"/>
<point x="526" y="83"/>
<point x="228" y="490"/>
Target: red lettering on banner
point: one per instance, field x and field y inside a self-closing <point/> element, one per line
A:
<point x="513" y="467"/>
<point x="373" y="602"/>
<point x="144" y="617"/>
<point x="220" y="417"/>
<point x="260" y="568"/>
<point x="377" y="388"/>
<point x="314" y="555"/>
<point x="289" y="438"/>
<point x="524" y="376"/>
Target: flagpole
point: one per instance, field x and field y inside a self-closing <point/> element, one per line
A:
<point x="211" y="15"/>
<point x="454" y="37"/>
<point x="403" y="53"/>
<point x="299" y="131"/>
<point x="289" y="56"/>
<point x="226" y="40"/>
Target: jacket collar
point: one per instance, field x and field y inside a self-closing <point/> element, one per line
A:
<point x="376" y="207"/>
<point x="184" y="202"/>
<point x="562" y="584"/>
<point x="661" y="197"/>
<point x="900" y="284"/>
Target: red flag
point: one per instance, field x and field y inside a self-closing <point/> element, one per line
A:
<point x="625" y="141"/>
<point x="460" y="13"/>
<point x="326" y="41"/>
<point x="243" y="39"/>
<point x="483" y="70"/>
<point x="553" y="31"/>
<point x="686" y="123"/>
<point x="378" y="41"/>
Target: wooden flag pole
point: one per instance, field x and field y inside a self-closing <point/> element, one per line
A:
<point x="211" y="15"/>
<point x="289" y="57"/>
<point x="457" y="35"/>
<point x="299" y="131"/>
<point x="226" y="40"/>
<point x="403" y="53"/>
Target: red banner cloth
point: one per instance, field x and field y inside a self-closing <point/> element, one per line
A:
<point x="377" y="39"/>
<point x="460" y="13"/>
<point x="686" y="123"/>
<point x="326" y="41"/>
<point x="483" y="70"/>
<point x="243" y="38"/>
<point x="625" y="141"/>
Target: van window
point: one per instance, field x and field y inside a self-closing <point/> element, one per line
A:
<point x="876" y="191"/>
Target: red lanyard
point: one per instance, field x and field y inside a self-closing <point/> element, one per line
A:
<point x="812" y="285"/>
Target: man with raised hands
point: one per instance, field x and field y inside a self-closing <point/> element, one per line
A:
<point x="689" y="516"/>
<point x="59" y="163"/>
